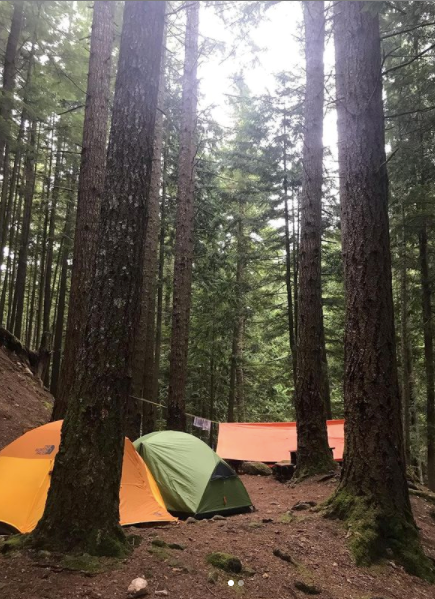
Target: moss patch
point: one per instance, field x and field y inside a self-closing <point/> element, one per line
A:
<point x="308" y="589"/>
<point x="255" y="524"/>
<point x="86" y="563"/>
<point x="14" y="543"/>
<point x="160" y="553"/>
<point x="97" y="542"/>
<point x="176" y="546"/>
<point x="287" y="518"/>
<point x="159" y="543"/>
<point x="225" y="561"/>
<point x="379" y="533"/>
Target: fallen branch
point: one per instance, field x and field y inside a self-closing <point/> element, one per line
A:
<point x="34" y="360"/>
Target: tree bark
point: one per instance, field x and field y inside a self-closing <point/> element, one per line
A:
<point x="406" y="358"/>
<point x="314" y="455"/>
<point x="20" y="283"/>
<point x="426" y="298"/>
<point x="16" y="211"/>
<point x="87" y="469"/>
<point x="144" y="354"/>
<point x="14" y="245"/>
<point x="184" y="228"/>
<point x="9" y="75"/>
<point x="60" y="316"/>
<point x="373" y="492"/>
<point x="8" y="190"/>
<point x="232" y="385"/>
<point x="46" y="322"/>
<point x="90" y="188"/>
<point x="42" y="269"/>
<point x="288" y="278"/>
<point x="160" y="282"/>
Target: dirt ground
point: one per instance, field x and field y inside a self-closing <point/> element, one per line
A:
<point x="317" y="546"/>
<point x="24" y="403"/>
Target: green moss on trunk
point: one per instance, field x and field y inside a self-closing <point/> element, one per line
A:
<point x="379" y="532"/>
<point x="107" y="543"/>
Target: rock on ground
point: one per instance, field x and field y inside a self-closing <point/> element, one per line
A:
<point x="255" y="469"/>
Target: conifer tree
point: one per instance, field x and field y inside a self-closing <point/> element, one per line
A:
<point x="92" y="445"/>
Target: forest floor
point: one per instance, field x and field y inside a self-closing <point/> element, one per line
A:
<point x="317" y="546"/>
<point x="24" y="403"/>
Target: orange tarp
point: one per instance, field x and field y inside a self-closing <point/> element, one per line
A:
<point x="25" y="467"/>
<point x="270" y="441"/>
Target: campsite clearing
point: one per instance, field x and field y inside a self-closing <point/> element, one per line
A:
<point x="318" y="546"/>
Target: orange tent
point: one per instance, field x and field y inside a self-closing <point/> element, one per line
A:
<point x="269" y="442"/>
<point x="25" y="467"/>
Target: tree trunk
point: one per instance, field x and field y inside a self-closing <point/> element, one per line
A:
<point x="240" y="377"/>
<point x="16" y="210"/>
<point x="90" y="188"/>
<point x="20" y="283"/>
<point x="160" y="281"/>
<point x="87" y="469"/>
<point x="60" y="316"/>
<point x="373" y="492"/>
<point x="212" y="387"/>
<point x="42" y="269"/>
<point x="240" y="316"/>
<point x="8" y="191"/>
<point x="326" y="389"/>
<point x="9" y="74"/>
<point x="29" y="333"/>
<point x="232" y="386"/>
<point x="426" y="297"/>
<point x="184" y="228"/>
<point x="48" y="288"/>
<point x="14" y="250"/>
<point x="406" y="358"/>
<point x="295" y="223"/>
<point x="314" y="455"/>
<point x="288" y="278"/>
<point x="144" y="354"/>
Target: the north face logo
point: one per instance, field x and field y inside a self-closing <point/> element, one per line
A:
<point x="47" y="450"/>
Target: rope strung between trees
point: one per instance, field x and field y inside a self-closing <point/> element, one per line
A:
<point x="161" y="405"/>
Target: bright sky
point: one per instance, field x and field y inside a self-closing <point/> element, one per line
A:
<point x="278" y="36"/>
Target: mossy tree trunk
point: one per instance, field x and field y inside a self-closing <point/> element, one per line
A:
<point x="90" y="189"/>
<point x="373" y="494"/>
<point x="82" y="509"/>
<point x="314" y="455"/>
<point x="182" y="292"/>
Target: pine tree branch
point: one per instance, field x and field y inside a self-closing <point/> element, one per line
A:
<point x="71" y="109"/>
<point x="418" y="110"/>
<point x="404" y="64"/>
<point x="401" y="31"/>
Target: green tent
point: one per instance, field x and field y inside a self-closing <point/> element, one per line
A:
<point x="191" y="476"/>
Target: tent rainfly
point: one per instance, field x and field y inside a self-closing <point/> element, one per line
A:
<point x="25" y="468"/>
<point x="192" y="478"/>
<point x="269" y="441"/>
